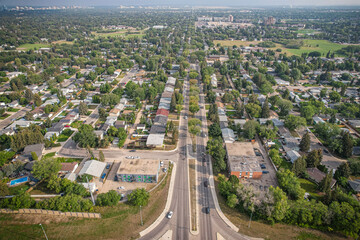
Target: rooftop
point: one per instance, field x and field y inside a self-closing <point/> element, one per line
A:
<point x="139" y="167"/>
<point x="244" y="164"/>
<point x="240" y="149"/>
<point x="93" y="168"/>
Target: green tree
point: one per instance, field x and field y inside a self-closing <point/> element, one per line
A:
<point x="139" y="197"/>
<point x="299" y="166"/>
<point x="348" y="144"/>
<point x="37" y="99"/>
<point x="275" y="156"/>
<point x="285" y="106"/>
<point x="342" y="171"/>
<point x="250" y="128"/>
<point x="314" y="158"/>
<point x="101" y="156"/>
<point x="217" y="152"/>
<point x="265" y="111"/>
<point x="305" y="142"/>
<point x="111" y="198"/>
<point x="293" y="122"/>
<point x="173" y="103"/>
<point x="281" y="206"/>
<point x="34" y="156"/>
<point x="45" y="168"/>
<point x="4" y="189"/>
<point x="194" y="108"/>
<point x="28" y="95"/>
<point x="325" y="184"/>
<point x="102" y="113"/>
<point x="253" y="109"/>
<point x="335" y="96"/>
<point x="214" y="130"/>
<point x="83" y="108"/>
<point x="232" y="200"/>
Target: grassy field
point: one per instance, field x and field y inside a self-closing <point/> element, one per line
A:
<point x="34" y="46"/>
<point x="121" y="33"/>
<point x="321" y="46"/>
<point x="63" y="42"/>
<point x="2" y="117"/>
<point x="306" y="31"/>
<point x="277" y="231"/>
<point x="229" y="43"/>
<point x="119" y="222"/>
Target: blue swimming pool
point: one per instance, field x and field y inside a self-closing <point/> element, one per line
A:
<point x="18" y="181"/>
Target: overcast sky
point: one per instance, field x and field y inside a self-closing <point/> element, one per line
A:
<point x="180" y="2"/>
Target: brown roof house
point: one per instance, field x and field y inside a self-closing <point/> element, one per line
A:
<point x="68" y="167"/>
<point x="317" y="176"/>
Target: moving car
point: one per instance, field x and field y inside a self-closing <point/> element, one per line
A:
<point x="207" y="210"/>
<point x="206" y="183"/>
<point x="169" y="215"/>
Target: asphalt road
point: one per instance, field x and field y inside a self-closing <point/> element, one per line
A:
<point x="7" y="121"/>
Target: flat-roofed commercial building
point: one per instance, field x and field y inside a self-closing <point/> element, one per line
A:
<point x="242" y="160"/>
<point x="138" y="170"/>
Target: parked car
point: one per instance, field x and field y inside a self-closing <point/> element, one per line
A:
<point x="108" y="166"/>
<point x="121" y="187"/>
<point x="165" y="170"/>
<point x="103" y="175"/>
<point x="265" y="172"/>
<point x="136" y="157"/>
<point x="169" y="215"/>
<point x="185" y="117"/>
<point x="129" y="157"/>
<point x="132" y="150"/>
<point x="262" y="166"/>
<point x="161" y="163"/>
<point x="206" y="183"/>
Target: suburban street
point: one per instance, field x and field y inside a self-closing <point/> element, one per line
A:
<point x="7" y="121"/>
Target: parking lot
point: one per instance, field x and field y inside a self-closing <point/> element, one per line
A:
<point x="267" y="179"/>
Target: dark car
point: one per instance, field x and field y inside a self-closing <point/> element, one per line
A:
<point x="258" y="154"/>
<point x="265" y="172"/>
<point x="103" y="175"/>
<point x="262" y="166"/>
<point x="207" y="210"/>
<point x="206" y="183"/>
<point x="108" y="166"/>
<point x="132" y="150"/>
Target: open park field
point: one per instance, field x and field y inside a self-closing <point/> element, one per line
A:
<point x="63" y="42"/>
<point x="310" y="45"/>
<point x="33" y="46"/>
<point x="121" y="33"/>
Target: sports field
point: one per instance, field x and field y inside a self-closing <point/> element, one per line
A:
<point x="121" y="33"/>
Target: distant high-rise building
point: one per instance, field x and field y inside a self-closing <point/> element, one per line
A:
<point x="205" y="19"/>
<point x="269" y="21"/>
<point x="231" y="18"/>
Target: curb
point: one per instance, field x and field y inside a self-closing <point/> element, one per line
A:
<point x="167" y="205"/>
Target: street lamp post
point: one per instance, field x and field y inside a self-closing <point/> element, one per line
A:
<point x="43" y="231"/>
<point x="141" y="217"/>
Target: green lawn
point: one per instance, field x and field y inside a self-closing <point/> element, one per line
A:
<point x="309" y="187"/>
<point x="51" y="154"/>
<point x="19" y="189"/>
<point x="120" y="33"/>
<point x="4" y="116"/>
<point x="35" y="46"/>
<point x="306" y="31"/>
<point x="12" y="110"/>
<point x="65" y="135"/>
<point x="285" y="164"/>
<point x="69" y="160"/>
<point x="321" y="46"/>
<point x="76" y="124"/>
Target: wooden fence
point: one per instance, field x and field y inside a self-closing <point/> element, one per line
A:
<point x="54" y="213"/>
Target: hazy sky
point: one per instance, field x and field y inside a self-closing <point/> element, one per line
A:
<point x="180" y="2"/>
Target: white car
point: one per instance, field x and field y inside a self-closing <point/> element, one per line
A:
<point x="121" y="187"/>
<point x="136" y="157"/>
<point x="169" y="215"/>
<point x="129" y="157"/>
<point x="161" y="163"/>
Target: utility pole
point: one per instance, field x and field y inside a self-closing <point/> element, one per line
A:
<point x="92" y="197"/>
<point x="250" y="219"/>
<point x="141" y="217"/>
<point x="43" y="231"/>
